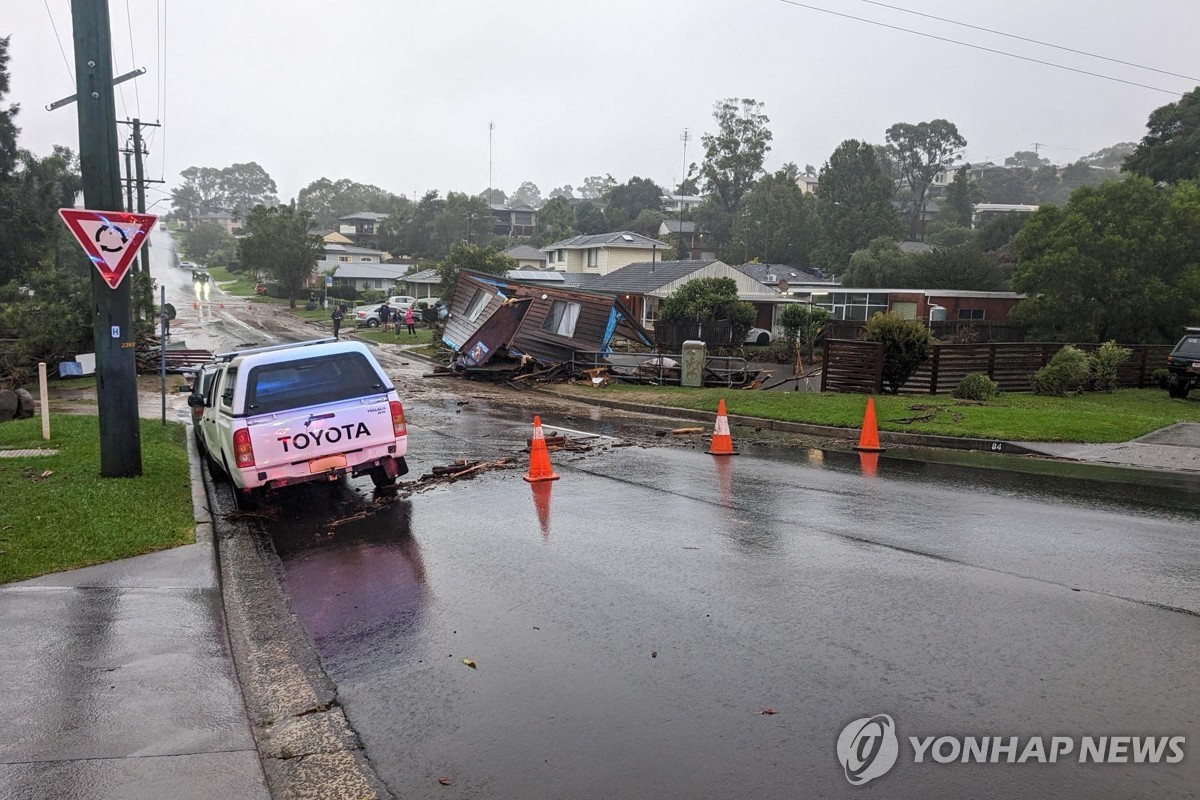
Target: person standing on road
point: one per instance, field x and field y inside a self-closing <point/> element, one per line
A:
<point x="408" y="320"/>
<point x="339" y="313"/>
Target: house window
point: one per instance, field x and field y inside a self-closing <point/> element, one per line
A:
<point x="651" y="312"/>
<point x="562" y="318"/>
<point x="344" y="258"/>
<point x="553" y="253"/>
<point x="379" y="283"/>
<point x="970" y="313"/>
<point x="364" y="258"/>
<point x="562" y="255"/>
<point x="593" y="257"/>
<point x="478" y="302"/>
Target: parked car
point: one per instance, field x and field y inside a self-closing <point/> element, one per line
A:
<point x="302" y="412"/>
<point x="367" y="316"/>
<point x="758" y="336"/>
<point x="189" y="265"/>
<point x="1183" y="365"/>
<point x="401" y="301"/>
<point x="200" y="387"/>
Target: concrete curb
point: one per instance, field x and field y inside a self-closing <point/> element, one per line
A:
<point x="305" y="743"/>
<point x="200" y="508"/>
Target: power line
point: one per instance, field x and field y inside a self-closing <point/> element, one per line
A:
<point x="61" y="49"/>
<point x="133" y="58"/>
<point x="1033" y="41"/>
<point x="981" y="47"/>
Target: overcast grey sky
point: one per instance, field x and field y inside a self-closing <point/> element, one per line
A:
<point x="400" y="93"/>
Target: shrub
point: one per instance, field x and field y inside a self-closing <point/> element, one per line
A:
<point x="1068" y="371"/>
<point x="976" y="386"/>
<point x="1160" y="377"/>
<point x="1104" y="365"/>
<point x="906" y="344"/>
<point x="801" y="324"/>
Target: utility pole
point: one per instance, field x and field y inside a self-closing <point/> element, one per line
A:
<point x="111" y="310"/>
<point x="128" y="180"/>
<point x="137" y="151"/>
<point x="685" y="137"/>
<point x="491" y="127"/>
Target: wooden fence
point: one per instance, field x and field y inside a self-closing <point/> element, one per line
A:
<point x="1010" y="364"/>
<point x="670" y="336"/>
<point x="852" y="365"/>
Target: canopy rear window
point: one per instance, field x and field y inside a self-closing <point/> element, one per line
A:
<point x="310" y="382"/>
<point x="1189" y="346"/>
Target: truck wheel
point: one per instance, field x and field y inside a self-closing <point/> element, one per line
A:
<point x="380" y="478"/>
<point x="215" y="470"/>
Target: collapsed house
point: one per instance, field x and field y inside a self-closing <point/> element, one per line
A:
<point x="498" y="323"/>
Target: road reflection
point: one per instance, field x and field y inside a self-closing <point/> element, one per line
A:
<point x="356" y="584"/>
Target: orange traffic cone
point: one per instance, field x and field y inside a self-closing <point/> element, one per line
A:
<point x="868" y="440"/>
<point x="539" y="456"/>
<point x="722" y="442"/>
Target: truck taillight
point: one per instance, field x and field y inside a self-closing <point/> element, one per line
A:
<point x="398" y="426"/>
<point x="243" y="451"/>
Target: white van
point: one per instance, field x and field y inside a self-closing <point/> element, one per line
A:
<point x="309" y="411"/>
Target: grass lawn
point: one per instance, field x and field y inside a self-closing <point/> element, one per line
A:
<point x="423" y="336"/>
<point x="1093" y="417"/>
<point x="73" y="517"/>
<point x="239" y="285"/>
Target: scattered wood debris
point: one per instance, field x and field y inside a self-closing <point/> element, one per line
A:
<point x="686" y="431"/>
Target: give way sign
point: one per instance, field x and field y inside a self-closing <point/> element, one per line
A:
<point x="110" y="238"/>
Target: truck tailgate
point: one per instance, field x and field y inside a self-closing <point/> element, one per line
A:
<point x="317" y="432"/>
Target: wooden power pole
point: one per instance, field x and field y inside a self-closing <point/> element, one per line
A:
<point x="111" y="309"/>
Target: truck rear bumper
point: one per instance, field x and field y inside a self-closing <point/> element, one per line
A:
<point x="390" y="458"/>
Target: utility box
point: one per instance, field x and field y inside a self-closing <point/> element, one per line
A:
<point x="694" y="356"/>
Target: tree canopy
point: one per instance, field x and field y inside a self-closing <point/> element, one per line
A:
<point x="1170" y="150"/>
<point x="276" y="241"/>
<point x="734" y="155"/>
<point x="235" y="189"/>
<point x="327" y="200"/>
<point x="776" y="223"/>
<point x="921" y="152"/>
<point x="709" y="299"/>
<point x="855" y="204"/>
<point x="472" y="257"/>
<point x="1117" y="262"/>
<point x="627" y="200"/>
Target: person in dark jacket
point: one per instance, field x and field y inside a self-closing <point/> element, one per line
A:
<point x="339" y="314"/>
<point x="385" y="315"/>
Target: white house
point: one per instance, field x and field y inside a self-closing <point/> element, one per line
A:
<point x="602" y="253"/>
<point x="336" y="254"/>
<point x="369" y="276"/>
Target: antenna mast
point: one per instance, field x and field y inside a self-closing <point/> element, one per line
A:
<point x="491" y="127"/>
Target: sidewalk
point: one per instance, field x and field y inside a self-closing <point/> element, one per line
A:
<point x="1175" y="448"/>
<point x="119" y="682"/>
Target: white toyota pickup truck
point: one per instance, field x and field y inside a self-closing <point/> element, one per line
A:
<point x="309" y="411"/>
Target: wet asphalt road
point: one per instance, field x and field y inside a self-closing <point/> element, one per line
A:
<point x="631" y="621"/>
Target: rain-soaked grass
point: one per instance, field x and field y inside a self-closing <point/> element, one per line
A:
<point x="423" y="336"/>
<point x="72" y="517"/>
<point x="1093" y="417"/>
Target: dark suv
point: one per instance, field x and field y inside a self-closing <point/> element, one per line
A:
<point x="1184" y="364"/>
